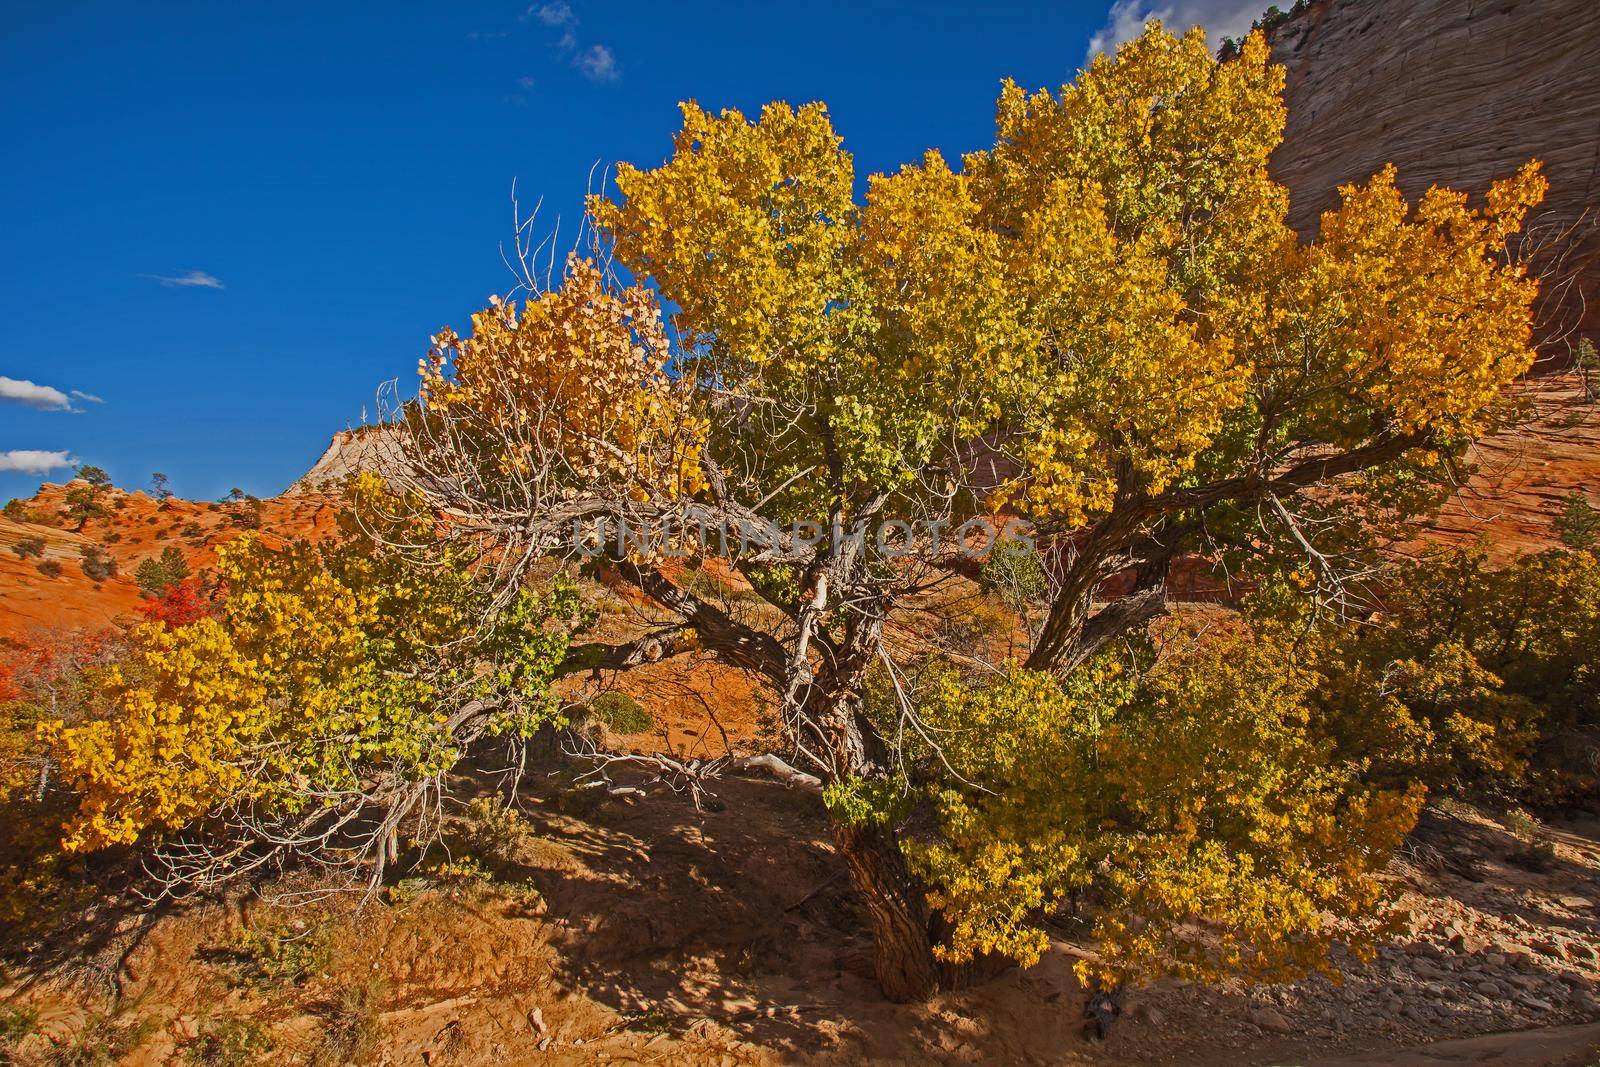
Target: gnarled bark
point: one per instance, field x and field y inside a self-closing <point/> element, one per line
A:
<point x="902" y="931"/>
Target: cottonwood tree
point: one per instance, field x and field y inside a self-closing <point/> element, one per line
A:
<point x="1101" y="324"/>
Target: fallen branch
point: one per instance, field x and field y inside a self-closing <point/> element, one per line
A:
<point x="778" y="769"/>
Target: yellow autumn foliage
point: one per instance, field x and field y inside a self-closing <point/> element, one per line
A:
<point x="1110" y="294"/>
<point x="1191" y="810"/>
<point x="321" y="664"/>
<point x="578" y="380"/>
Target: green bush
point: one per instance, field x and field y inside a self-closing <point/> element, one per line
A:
<point x="1476" y="678"/>
<point x="273" y="953"/>
<point x="15" y="1024"/>
<point x="156" y="575"/>
<point x="1578" y="525"/>
<point x="621" y="713"/>
<point x="230" y="1041"/>
<point x="1014" y="571"/>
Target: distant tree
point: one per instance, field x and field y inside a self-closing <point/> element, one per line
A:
<point x="1014" y="571"/>
<point x="1587" y="363"/>
<point x="1578" y="525"/>
<point x="247" y="514"/>
<point x="161" y="486"/>
<point x="157" y="574"/>
<point x="82" y="503"/>
<point x="95" y="476"/>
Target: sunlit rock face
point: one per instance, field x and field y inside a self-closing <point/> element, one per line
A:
<point x="1458" y="93"/>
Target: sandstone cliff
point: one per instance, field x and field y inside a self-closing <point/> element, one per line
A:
<point x="1457" y="93"/>
<point x="370" y="448"/>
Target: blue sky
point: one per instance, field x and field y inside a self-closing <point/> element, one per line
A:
<point x="227" y="224"/>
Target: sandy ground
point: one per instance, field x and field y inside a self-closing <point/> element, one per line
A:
<point x="648" y="932"/>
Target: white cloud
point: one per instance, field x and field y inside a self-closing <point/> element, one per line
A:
<point x="30" y="394"/>
<point x="554" y="14"/>
<point x="194" y="279"/>
<point x="1221" y="18"/>
<point x="90" y="397"/>
<point x="34" y="461"/>
<point x="598" y="64"/>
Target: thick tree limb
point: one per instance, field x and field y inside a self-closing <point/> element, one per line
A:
<point x="777" y="768"/>
<point x="597" y="656"/>
<point x="741" y="645"/>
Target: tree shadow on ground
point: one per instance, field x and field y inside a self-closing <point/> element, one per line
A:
<point x="745" y="916"/>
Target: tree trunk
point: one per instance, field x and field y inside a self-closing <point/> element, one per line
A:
<point x="901" y="928"/>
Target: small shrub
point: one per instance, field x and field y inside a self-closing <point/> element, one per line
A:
<point x="1536" y="846"/>
<point x="273" y="953"/>
<point x="192" y="529"/>
<point x="16" y="511"/>
<point x="106" y="1039"/>
<point x="408" y="890"/>
<point x="50" y="568"/>
<point x="621" y="713"/>
<point x="15" y="1024"/>
<point x="96" y="565"/>
<point x="496" y="830"/>
<point x="1588" y="367"/>
<point x="1578" y="525"/>
<point x="29" y="547"/>
<point x="350" y="1027"/>
<point x="229" y="1041"/>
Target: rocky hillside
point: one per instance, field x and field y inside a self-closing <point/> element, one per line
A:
<point x="369" y="448"/>
<point x="45" y="586"/>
